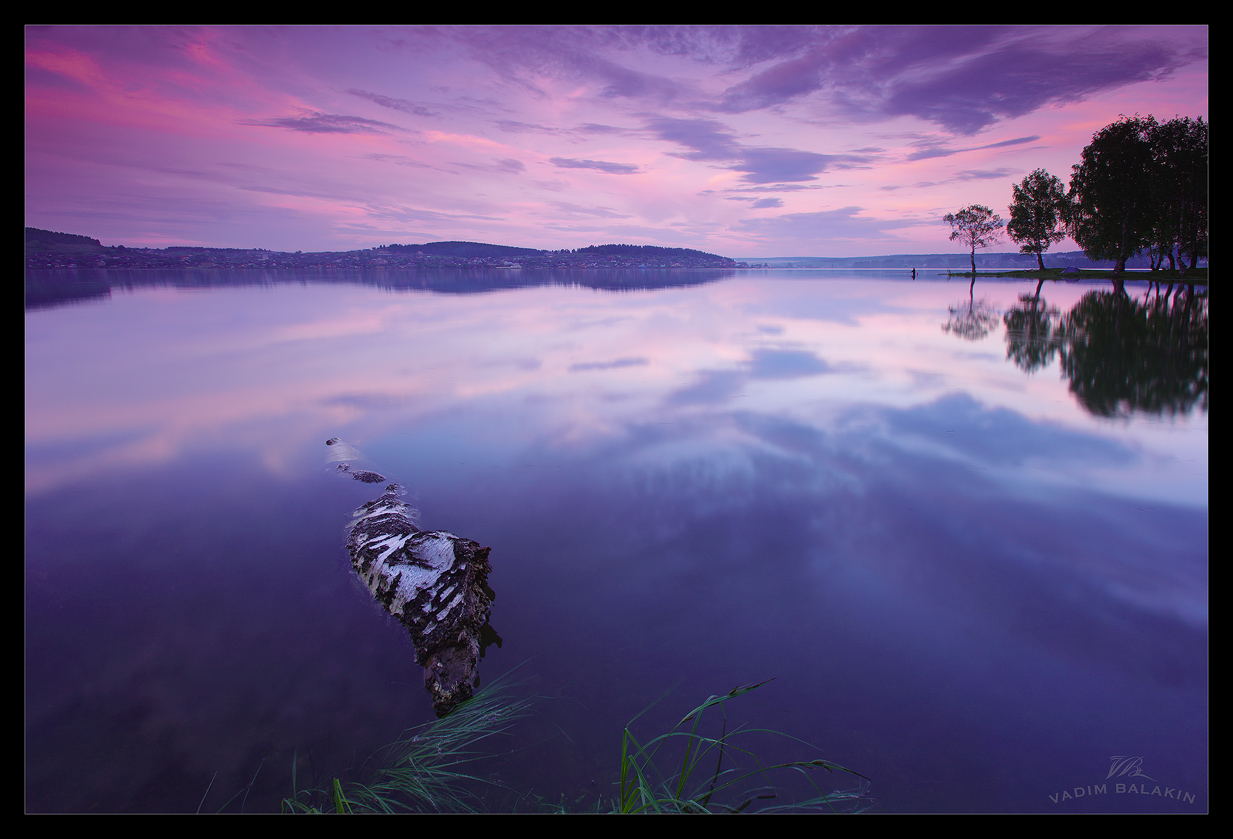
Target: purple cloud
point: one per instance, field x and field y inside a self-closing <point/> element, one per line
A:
<point x="404" y="105"/>
<point x="594" y="128"/>
<point x="763" y="166"/>
<point x="597" y="165"/>
<point x="711" y="140"/>
<point x="515" y="127"/>
<point x="969" y="77"/>
<point x="315" y="122"/>
<point x="1038" y="68"/>
<point x="607" y="365"/>
<point x="933" y="151"/>
<point x="983" y="174"/>
<point x="522" y="54"/>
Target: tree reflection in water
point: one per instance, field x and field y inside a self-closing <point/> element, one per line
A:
<point x="971" y="321"/>
<point x="1033" y="332"/>
<point x="1120" y="354"/>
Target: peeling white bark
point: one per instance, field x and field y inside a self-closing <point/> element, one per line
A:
<point x="433" y="582"/>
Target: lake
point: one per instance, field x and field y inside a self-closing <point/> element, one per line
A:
<point x="964" y="530"/>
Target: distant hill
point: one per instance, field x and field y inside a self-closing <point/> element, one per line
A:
<point x="47" y="249"/>
<point x="643" y="251"/>
<point x="474" y="250"/>
<point x="465" y="250"/>
<point x="48" y="240"/>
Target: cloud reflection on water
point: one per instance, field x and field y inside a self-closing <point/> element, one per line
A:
<point x="806" y="477"/>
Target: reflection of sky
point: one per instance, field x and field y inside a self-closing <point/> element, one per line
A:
<point x="155" y="373"/>
<point x="732" y="461"/>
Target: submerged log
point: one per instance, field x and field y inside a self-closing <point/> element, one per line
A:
<point x="346" y="457"/>
<point x="433" y="582"/>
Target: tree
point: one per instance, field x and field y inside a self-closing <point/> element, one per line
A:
<point x="1180" y="175"/>
<point x="976" y="227"/>
<point x="1113" y="209"/>
<point x="1038" y="214"/>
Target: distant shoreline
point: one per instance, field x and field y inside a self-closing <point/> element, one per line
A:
<point x="993" y="261"/>
<point x="49" y="249"/>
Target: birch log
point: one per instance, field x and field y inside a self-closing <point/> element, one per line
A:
<point x="433" y="582"/>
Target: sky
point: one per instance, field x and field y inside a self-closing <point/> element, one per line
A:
<point x="743" y="141"/>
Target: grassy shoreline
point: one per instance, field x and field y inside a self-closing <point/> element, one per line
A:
<point x="438" y="767"/>
<point x="1196" y="276"/>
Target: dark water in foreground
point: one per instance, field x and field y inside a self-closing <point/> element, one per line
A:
<point x="967" y="536"/>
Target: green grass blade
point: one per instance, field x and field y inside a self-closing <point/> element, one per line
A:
<point x="683" y="792"/>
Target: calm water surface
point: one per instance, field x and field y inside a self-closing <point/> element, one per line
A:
<point x="966" y="534"/>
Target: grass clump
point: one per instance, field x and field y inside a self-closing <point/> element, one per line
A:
<point x="433" y="767"/>
<point x="696" y="788"/>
